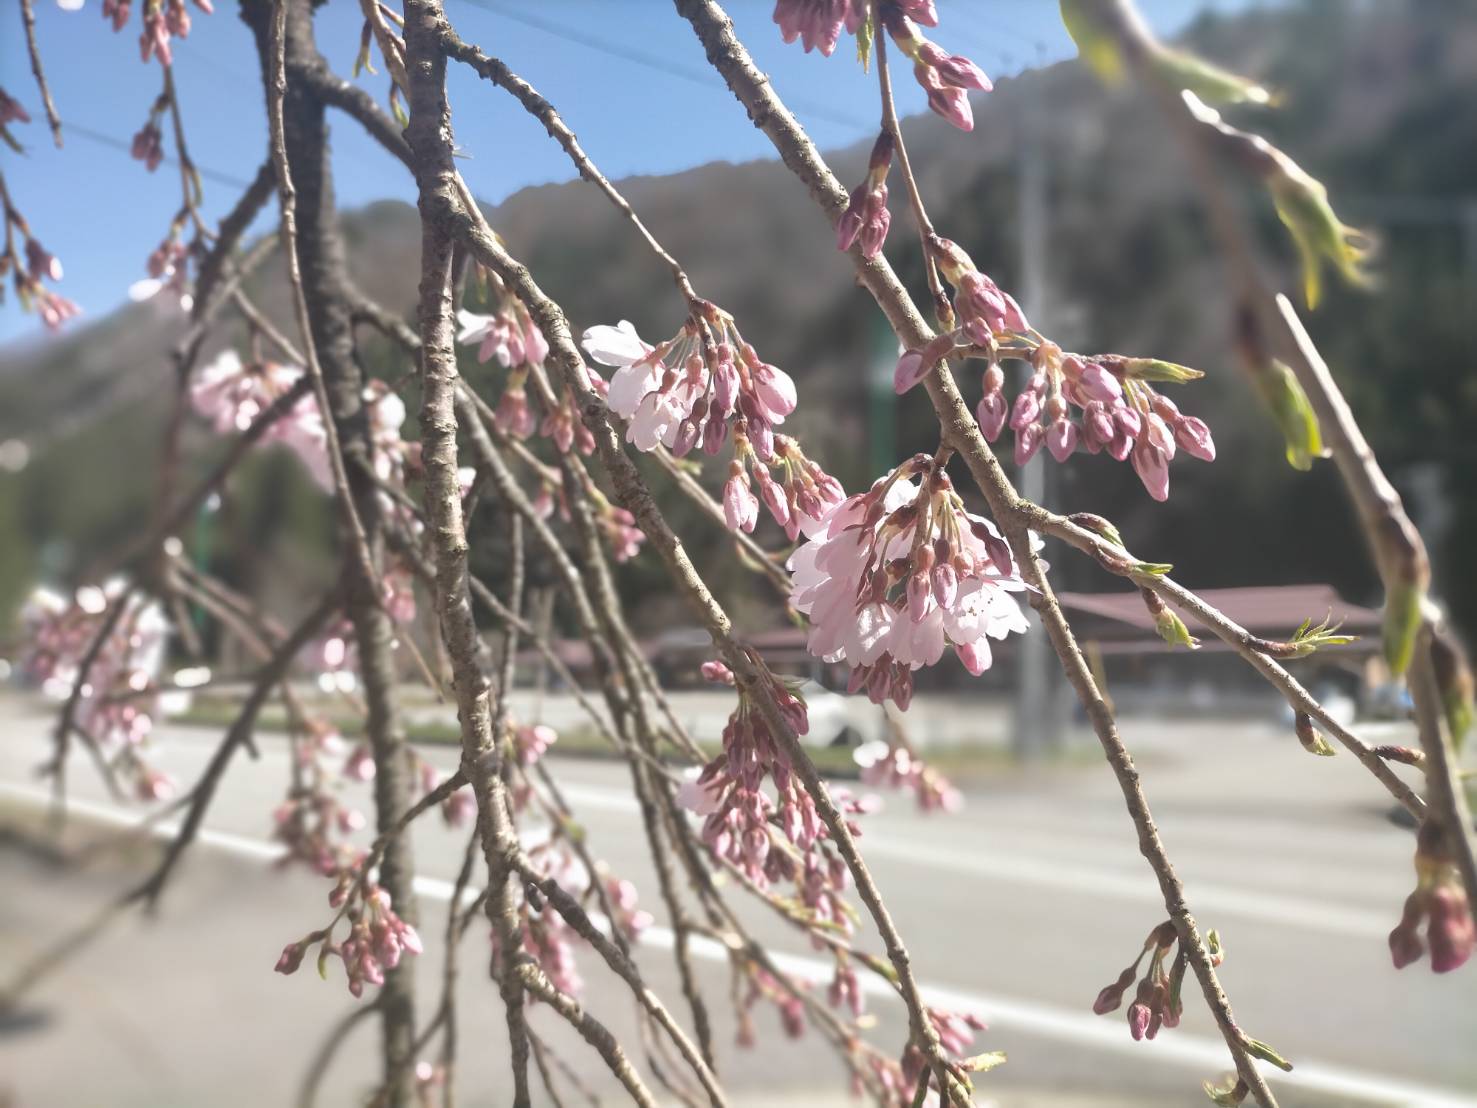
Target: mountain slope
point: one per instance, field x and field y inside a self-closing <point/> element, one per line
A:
<point x="1379" y="103"/>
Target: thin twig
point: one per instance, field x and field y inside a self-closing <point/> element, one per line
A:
<point x="287" y="194"/>
<point x="28" y="18"/>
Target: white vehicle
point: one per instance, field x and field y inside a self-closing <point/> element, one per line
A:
<point x="837" y="720"/>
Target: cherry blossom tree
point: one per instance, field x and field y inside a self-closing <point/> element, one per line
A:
<point x="887" y="578"/>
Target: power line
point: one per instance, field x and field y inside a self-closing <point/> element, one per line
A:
<point x="701" y="77"/>
<point x="220" y="177"/>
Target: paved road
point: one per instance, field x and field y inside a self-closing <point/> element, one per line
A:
<point x="1019" y="908"/>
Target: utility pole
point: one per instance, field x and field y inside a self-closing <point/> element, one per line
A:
<point x="1037" y="724"/>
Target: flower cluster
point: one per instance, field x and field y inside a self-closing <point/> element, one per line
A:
<point x="377" y="938"/>
<point x="696" y="388"/>
<point x="629" y="917"/>
<point x="615" y="524"/>
<point x="1121" y="414"/>
<point x="232" y="394"/>
<point x="11" y="110"/>
<point x="148" y="145"/>
<point x="1438" y="901"/>
<point x="168" y="270"/>
<point x="866" y="218"/>
<point x="897" y="767"/>
<point x="768" y="838"/>
<point x="1157" y="1001"/>
<point x="510" y="335"/>
<point x="763" y="986"/>
<point x="162" y="20"/>
<point x="898" y="574"/>
<point x="27" y="273"/>
<point x="946" y="78"/>
<point x="313" y="822"/>
<point x="119" y="696"/>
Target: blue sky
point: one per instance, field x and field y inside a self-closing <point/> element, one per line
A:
<point x="627" y="75"/>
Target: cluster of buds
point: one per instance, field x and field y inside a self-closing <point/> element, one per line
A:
<point x="532" y="741"/>
<point x="818" y="23"/>
<point x="28" y="273"/>
<point x="615" y="524"/>
<point x="509" y="335"/>
<point x="769" y="840"/>
<point x="627" y="914"/>
<point x="697" y="387"/>
<point x="312" y="822"/>
<point x="232" y="394"/>
<point x="956" y="1032"/>
<point x="845" y="990"/>
<point x="897" y="767"/>
<point x="729" y="791"/>
<point x="1121" y="413"/>
<point x="163" y="20"/>
<point x="377" y="938"/>
<point x="898" y="574"/>
<point x="168" y="268"/>
<point x="799" y="501"/>
<point x="359" y="765"/>
<point x="618" y="526"/>
<point x="550" y="942"/>
<point x="1157" y="1002"/>
<point x="946" y="78"/>
<point x="119" y="696"/>
<point x="459" y="809"/>
<point x="1440" y="902"/>
<point x="763" y="986"/>
<point x="866" y="218"/>
<point x="11" y="110"/>
<point x="148" y="145"/>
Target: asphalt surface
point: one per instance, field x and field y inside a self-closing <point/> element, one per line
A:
<point x="1018" y="908"/>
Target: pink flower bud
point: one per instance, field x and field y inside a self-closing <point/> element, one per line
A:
<point x="1026" y="410"/>
<point x="775" y="389"/>
<point x="1405" y="947"/>
<point x="1096" y="383"/>
<point x="1193" y="435"/>
<point x="920" y="596"/>
<point x="1152" y="466"/>
<point x="953" y="104"/>
<point x="718" y="673"/>
<point x="1108" y="1000"/>
<point x="1157" y="432"/>
<point x="1027" y="441"/>
<point x="960" y="72"/>
<point x="1451" y="931"/>
<point x="1138" y="1019"/>
<point x="945" y="584"/>
<point x="1061" y="439"/>
<point x="911" y="368"/>
<point x="991" y="415"/>
<point x="740" y="507"/>
<point x="850" y="223"/>
<point x="774" y="497"/>
<point x="291" y="958"/>
<point x="876" y="221"/>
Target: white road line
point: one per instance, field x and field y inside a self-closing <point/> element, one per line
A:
<point x="1047" y="1020"/>
<point x="1208" y="897"/>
